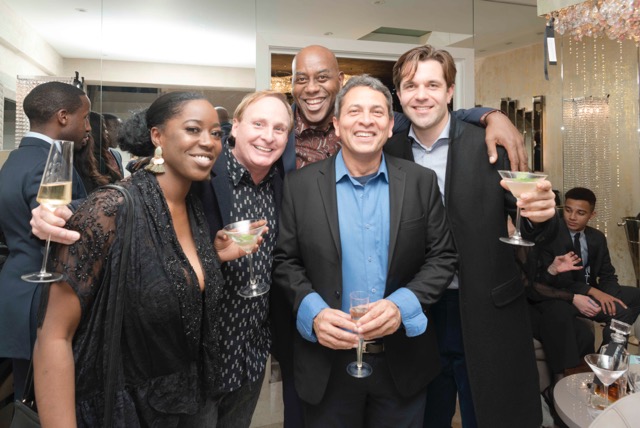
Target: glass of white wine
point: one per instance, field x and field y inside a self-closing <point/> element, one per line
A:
<point x="55" y="191"/>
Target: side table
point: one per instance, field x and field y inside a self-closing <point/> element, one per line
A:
<point x="570" y="397"/>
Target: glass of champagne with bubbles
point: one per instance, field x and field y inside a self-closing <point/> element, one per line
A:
<point x="359" y="305"/>
<point x="54" y="192"/>
<point x="520" y="182"/>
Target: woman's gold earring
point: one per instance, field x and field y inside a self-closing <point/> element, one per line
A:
<point x="156" y="165"/>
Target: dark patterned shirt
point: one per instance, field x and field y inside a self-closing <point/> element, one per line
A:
<point x="245" y="335"/>
<point x="314" y="144"/>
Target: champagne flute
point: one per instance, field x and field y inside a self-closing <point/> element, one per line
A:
<point x="359" y="305"/>
<point x="608" y="369"/>
<point x="54" y="192"/>
<point x="520" y="182"/>
<point x="245" y="234"/>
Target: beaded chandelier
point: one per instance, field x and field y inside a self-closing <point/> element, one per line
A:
<point x="617" y="19"/>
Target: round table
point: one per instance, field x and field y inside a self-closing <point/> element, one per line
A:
<point x="570" y="397"/>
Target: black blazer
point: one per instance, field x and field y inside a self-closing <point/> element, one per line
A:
<point x="495" y="323"/>
<point x="602" y="274"/>
<point x="307" y="259"/>
<point x="19" y="183"/>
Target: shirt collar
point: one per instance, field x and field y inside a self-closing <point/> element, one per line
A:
<point x="442" y="138"/>
<point x="301" y="125"/>
<point x="342" y="171"/>
<point x="238" y="172"/>
<point x="39" y="136"/>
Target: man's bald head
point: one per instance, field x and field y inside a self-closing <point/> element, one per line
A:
<point x="316" y="82"/>
<point x="223" y="114"/>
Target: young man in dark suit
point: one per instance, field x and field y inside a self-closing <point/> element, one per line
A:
<point x="363" y="221"/>
<point x="56" y="111"/>
<point x="482" y="325"/>
<point x="596" y="282"/>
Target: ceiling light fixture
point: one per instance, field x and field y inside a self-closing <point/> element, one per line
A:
<point x="617" y="19"/>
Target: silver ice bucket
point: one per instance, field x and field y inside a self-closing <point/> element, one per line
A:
<point x="631" y="227"/>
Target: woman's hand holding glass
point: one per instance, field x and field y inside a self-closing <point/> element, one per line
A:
<point x="228" y="250"/>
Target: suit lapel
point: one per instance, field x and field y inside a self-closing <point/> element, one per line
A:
<point x="327" y="189"/>
<point x="221" y="189"/>
<point x="397" y="180"/>
<point x="454" y="134"/>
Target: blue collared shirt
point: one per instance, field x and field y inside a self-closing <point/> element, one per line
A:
<point x="435" y="158"/>
<point x="363" y="217"/>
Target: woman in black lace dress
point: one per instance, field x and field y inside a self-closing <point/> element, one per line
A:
<point x="171" y="320"/>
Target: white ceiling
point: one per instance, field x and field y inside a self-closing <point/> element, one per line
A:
<point x="223" y="33"/>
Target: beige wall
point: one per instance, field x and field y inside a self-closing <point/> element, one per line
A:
<point x="518" y="74"/>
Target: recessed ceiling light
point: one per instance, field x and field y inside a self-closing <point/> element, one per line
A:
<point x="81" y="10"/>
<point x="328" y="33"/>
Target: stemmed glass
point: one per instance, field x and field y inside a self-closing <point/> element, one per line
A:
<point x="55" y="191"/>
<point x="608" y="371"/>
<point x="520" y="182"/>
<point x="245" y="234"/>
<point x="359" y="305"/>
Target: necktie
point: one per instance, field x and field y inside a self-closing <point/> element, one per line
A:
<point x="577" y="248"/>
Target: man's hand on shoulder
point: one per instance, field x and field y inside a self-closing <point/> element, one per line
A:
<point x="500" y="131"/>
<point x="382" y="319"/>
<point x="334" y="329"/>
<point x="45" y="223"/>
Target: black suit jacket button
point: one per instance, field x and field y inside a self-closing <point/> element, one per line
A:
<point x="337" y="294"/>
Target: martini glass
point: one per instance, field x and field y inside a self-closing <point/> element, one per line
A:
<point x="359" y="305"/>
<point x="520" y="182"/>
<point x="608" y="371"/>
<point x="245" y="234"/>
<point x="54" y="192"/>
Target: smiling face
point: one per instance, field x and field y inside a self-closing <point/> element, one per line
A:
<point x="190" y="141"/>
<point x="316" y="82"/>
<point x="577" y="214"/>
<point x="261" y="135"/>
<point x="364" y="125"/>
<point x="425" y="96"/>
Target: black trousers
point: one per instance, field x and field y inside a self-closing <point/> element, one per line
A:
<point x="631" y="297"/>
<point x="370" y="402"/>
<point x="565" y="339"/>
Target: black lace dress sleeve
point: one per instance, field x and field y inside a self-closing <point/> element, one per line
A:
<point x="83" y="263"/>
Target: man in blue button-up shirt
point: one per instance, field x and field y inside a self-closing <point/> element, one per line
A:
<point x="362" y="221"/>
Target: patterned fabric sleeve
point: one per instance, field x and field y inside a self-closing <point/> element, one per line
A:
<point x="83" y="262"/>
